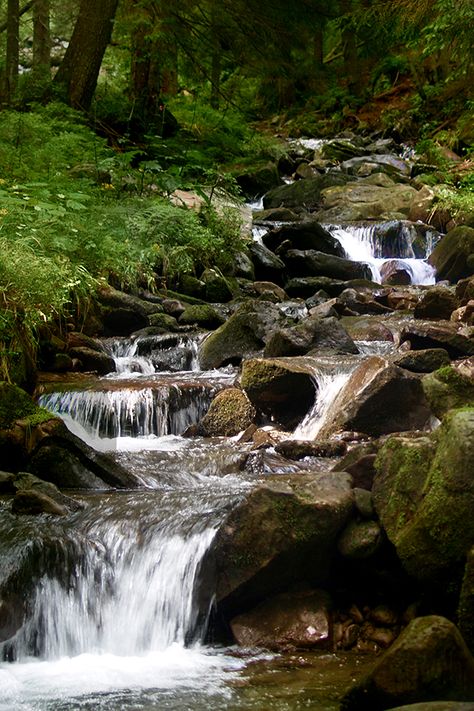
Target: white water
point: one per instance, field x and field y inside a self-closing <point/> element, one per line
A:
<point x="148" y="354"/>
<point x="162" y="410"/>
<point x="328" y="386"/>
<point x="129" y="616"/>
<point x="360" y="245"/>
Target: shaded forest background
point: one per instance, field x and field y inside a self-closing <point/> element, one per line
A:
<point x="107" y="108"/>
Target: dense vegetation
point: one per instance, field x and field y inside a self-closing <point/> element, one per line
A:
<point x="95" y="136"/>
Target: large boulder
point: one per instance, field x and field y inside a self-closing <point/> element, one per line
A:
<point x="244" y="334"/>
<point x="424" y="496"/>
<point x="321" y="334"/>
<point x="307" y="234"/>
<point x="378" y="398"/>
<point x="453" y="256"/>
<point x="281" y="388"/>
<point x="306" y="193"/>
<point x="287" y="622"/>
<point x="68" y="462"/>
<point x="267" y="266"/>
<point x="429" y="661"/>
<point x="282" y="533"/>
<point x="310" y="262"/>
<point x="376" y="197"/>
<point x="92" y="360"/>
<point x="424" y="361"/>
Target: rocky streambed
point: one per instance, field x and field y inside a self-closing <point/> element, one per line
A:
<point x="278" y="459"/>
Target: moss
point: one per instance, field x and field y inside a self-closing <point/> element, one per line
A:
<point x="15" y="404"/>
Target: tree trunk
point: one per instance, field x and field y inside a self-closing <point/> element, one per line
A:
<point x="80" y="67"/>
<point x="41" y="41"/>
<point x="13" y="52"/>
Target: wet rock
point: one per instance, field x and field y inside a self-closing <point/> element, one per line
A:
<point x="453" y="256"/>
<point x="423" y="361"/>
<point x="424" y="493"/>
<point x="30" y="502"/>
<point x="68" y="462"/>
<point x="298" y="449"/>
<point x="164" y="322"/>
<point x="305" y="193"/>
<point x="306" y="287"/>
<point x="229" y="413"/>
<point x="395" y="272"/>
<point x="27" y="482"/>
<point x="201" y="315"/>
<point x="242" y="266"/>
<point x="304" y="235"/>
<point x="81" y="340"/>
<point x="430" y="335"/>
<point x="309" y="262"/>
<point x="323" y="334"/>
<point x="359" y="302"/>
<point x="268" y="267"/>
<point x="93" y="361"/>
<point x="436" y="303"/>
<point x="287" y="622"/>
<point x="242" y="335"/>
<point x="377" y="399"/>
<point x="428" y="661"/>
<point x="448" y="388"/>
<point x="360" y="540"/>
<point x="282" y="533"/>
<point x="281" y="388"/>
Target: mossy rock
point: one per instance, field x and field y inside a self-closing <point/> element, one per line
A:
<point x="164" y="321"/>
<point x="16" y="404"/>
<point x="429" y="661"/>
<point x="244" y="334"/>
<point x="453" y="256"/>
<point x="230" y="412"/>
<point x="282" y="533"/>
<point x="424" y="496"/>
<point x="281" y="388"/>
<point x="201" y="315"/>
<point x="448" y="388"/>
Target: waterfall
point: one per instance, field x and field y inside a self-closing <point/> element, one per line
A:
<point x="146" y="355"/>
<point x="145" y="412"/>
<point x="327" y="386"/>
<point x="365" y="243"/>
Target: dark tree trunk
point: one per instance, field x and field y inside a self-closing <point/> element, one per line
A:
<point x="80" y="67"/>
<point x="12" y="56"/>
<point x="41" y="40"/>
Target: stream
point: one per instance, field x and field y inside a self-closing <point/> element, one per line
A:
<point x="124" y="622"/>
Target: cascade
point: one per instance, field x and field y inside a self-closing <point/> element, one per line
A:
<point x="146" y="355"/>
<point x="327" y="386"/>
<point x="363" y="243"/>
<point x="162" y="409"/>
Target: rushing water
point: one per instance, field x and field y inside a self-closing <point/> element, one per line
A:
<point x="360" y="244"/>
